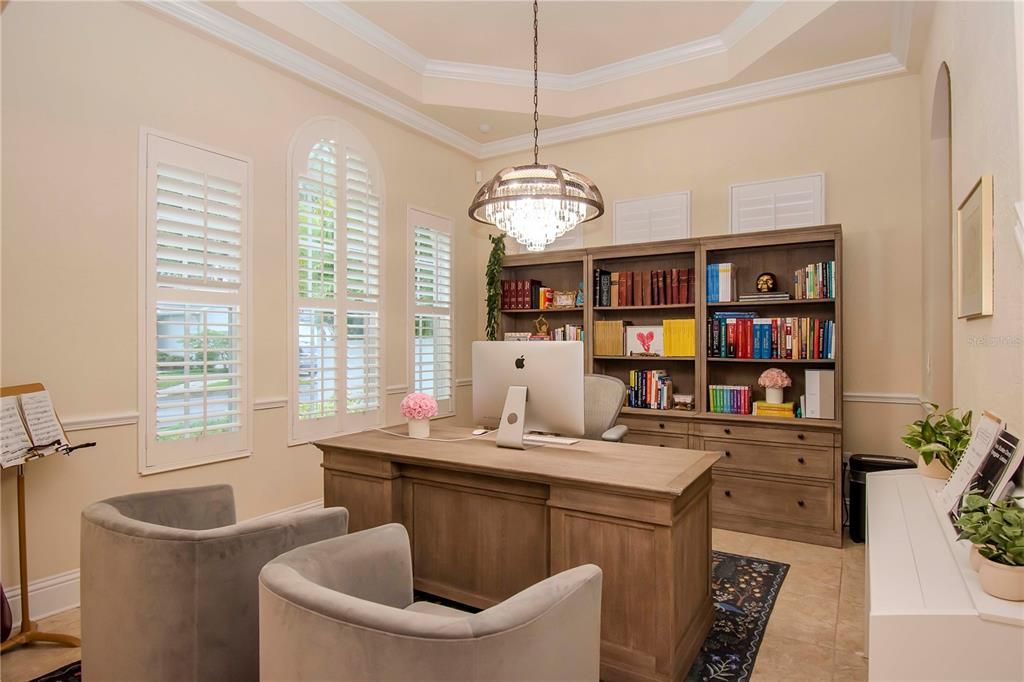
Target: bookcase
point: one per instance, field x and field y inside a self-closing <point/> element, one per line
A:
<point x="778" y="476"/>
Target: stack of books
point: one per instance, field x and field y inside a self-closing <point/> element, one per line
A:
<point x="649" y="388"/>
<point x="680" y="338"/>
<point x="729" y="399"/>
<point x="737" y="334"/>
<point x="721" y="282"/>
<point x="570" y="332"/>
<point x="765" y="297"/>
<point x="817" y="280"/>
<point x="526" y="294"/>
<point x="766" y="409"/>
<point x="610" y="337"/>
<point x="672" y="286"/>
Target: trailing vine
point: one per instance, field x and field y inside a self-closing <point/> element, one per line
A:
<point x="493" y="282"/>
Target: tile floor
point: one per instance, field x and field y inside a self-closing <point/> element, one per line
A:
<point x="816" y="632"/>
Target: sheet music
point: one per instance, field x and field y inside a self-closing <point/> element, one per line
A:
<point x="14" y="439"/>
<point x="981" y="442"/>
<point x="41" y="420"/>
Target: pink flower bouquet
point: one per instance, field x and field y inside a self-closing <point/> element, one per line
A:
<point x="418" y="406"/>
<point x="774" y="378"/>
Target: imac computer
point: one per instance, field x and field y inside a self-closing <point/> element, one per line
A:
<point x="523" y="386"/>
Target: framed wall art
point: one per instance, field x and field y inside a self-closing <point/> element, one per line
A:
<point x="974" y="251"/>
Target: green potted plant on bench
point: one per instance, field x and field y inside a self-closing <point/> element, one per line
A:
<point x="940" y="439"/>
<point x="996" y="533"/>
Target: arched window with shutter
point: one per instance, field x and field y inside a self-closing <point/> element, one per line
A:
<point x="335" y="229"/>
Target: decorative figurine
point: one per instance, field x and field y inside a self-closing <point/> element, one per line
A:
<point x="766" y="282"/>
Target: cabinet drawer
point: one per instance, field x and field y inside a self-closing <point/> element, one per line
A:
<point x="653" y="424"/>
<point x="773" y="459"/>
<point x="664" y="441"/>
<point x="766" y="433"/>
<point x="796" y="504"/>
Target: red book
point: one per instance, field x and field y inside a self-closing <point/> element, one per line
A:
<point x="524" y="294"/>
<point x="684" y="286"/>
<point x="775" y="339"/>
<point x="637" y="289"/>
<point x="654" y="287"/>
<point x="673" y="286"/>
<point x="730" y="338"/>
<point x="645" y="288"/>
<point x="657" y="290"/>
<point x="624" y="280"/>
<point x="750" y="338"/>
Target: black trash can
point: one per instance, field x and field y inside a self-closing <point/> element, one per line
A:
<point x="860" y="467"/>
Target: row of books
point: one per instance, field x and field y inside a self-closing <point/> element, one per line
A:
<point x="570" y="332"/>
<point x="525" y="294"/>
<point x="680" y="338"/>
<point x="763" y="408"/>
<point x="649" y="388"/>
<point x="721" y="282"/>
<point x="724" y="399"/>
<point x="655" y="287"/>
<point x="744" y="335"/>
<point x="671" y="338"/>
<point x="817" y="280"/>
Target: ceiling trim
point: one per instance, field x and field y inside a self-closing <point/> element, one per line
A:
<point x="837" y="74"/>
<point x="209" y="20"/>
<point x="354" y="22"/>
<point x="205" y="18"/>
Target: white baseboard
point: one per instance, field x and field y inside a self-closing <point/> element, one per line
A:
<point x="47" y="596"/>
<point x="61" y="592"/>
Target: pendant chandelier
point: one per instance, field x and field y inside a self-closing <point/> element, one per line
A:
<point x="537" y="203"/>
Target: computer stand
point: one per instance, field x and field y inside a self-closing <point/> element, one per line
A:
<point x="513" y="419"/>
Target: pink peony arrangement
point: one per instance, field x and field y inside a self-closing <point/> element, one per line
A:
<point x="418" y="406"/>
<point x="774" y="378"/>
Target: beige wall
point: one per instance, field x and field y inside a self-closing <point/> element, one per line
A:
<point x="976" y="41"/>
<point x="865" y="139"/>
<point x="78" y="82"/>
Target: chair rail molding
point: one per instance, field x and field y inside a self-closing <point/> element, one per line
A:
<point x="883" y="398"/>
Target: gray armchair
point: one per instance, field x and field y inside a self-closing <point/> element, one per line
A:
<point x="169" y="583"/>
<point x="343" y="609"/>
<point x="603" y="397"/>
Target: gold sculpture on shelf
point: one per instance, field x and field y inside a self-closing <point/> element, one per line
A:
<point x="541" y="325"/>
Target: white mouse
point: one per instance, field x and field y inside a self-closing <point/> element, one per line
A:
<point x="479" y="432"/>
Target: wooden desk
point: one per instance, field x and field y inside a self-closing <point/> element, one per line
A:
<point x="486" y="523"/>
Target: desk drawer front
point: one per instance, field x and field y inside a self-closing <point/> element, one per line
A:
<point x="797" y="504"/>
<point x="773" y="459"/>
<point x="766" y="433"/>
<point x="657" y="439"/>
<point x="654" y="424"/>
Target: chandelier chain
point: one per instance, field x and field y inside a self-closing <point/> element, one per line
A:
<point x="536" y="114"/>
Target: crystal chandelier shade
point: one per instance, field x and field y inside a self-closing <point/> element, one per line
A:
<point x="537" y="203"/>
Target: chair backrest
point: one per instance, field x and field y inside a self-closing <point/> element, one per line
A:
<point x="603" y="397"/>
<point x="309" y="631"/>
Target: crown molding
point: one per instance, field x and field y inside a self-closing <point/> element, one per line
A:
<point x="221" y="26"/>
<point x="364" y="29"/>
<point x="837" y="74"/>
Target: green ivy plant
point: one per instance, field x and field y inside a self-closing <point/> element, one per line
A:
<point x="493" y="282"/>
<point x="940" y="435"/>
<point x="997" y="530"/>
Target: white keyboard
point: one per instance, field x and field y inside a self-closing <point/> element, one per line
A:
<point x="540" y="439"/>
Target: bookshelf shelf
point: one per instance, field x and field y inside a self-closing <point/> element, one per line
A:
<point x="774" y="492"/>
<point x="647" y="358"/>
<point x="781" y="361"/>
<point x="792" y="301"/>
<point x="676" y="306"/>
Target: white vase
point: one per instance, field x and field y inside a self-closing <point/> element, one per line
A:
<point x="976" y="558"/>
<point x="773" y="395"/>
<point x="1002" y="581"/>
<point x="419" y="428"/>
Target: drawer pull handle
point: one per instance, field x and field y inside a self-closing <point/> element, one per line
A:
<point x="727" y="431"/>
<point x="800" y="436"/>
<point x="800" y="459"/>
<point x="728" y="493"/>
<point x="661" y="425"/>
<point x="728" y="454"/>
<point x="661" y="445"/>
<point x="800" y="503"/>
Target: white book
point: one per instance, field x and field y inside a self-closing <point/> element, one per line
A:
<point x="725" y="282"/>
<point x="820" y="386"/>
<point x="986" y="431"/>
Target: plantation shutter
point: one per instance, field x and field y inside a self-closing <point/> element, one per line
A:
<point x="431" y="268"/>
<point x="649" y="219"/>
<point x="195" y="360"/>
<point x="778" y="204"/>
<point x="336" y="232"/>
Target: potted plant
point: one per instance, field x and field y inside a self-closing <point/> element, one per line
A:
<point x="492" y="276"/>
<point x="773" y="380"/>
<point x="940" y="439"/>
<point x="996" y="531"/>
<point x="418" y="408"/>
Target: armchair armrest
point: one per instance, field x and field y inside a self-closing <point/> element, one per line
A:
<point x="616" y="433"/>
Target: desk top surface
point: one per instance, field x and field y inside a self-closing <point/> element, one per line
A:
<point x="664" y="472"/>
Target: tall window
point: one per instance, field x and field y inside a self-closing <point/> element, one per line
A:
<point x="194" y="351"/>
<point x="431" y="289"/>
<point x="335" y="233"/>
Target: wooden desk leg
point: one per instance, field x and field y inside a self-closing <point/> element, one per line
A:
<point x="29" y="632"/>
